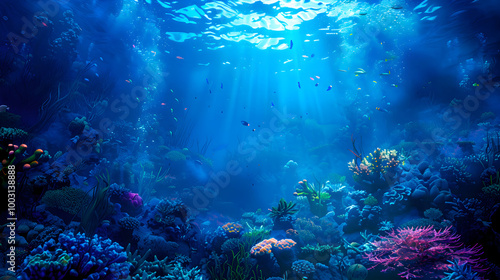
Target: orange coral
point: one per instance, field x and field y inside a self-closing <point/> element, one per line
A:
<point x="265" y="246"/>
<point x="285" y="244"/>
<point x="232" y="228"/>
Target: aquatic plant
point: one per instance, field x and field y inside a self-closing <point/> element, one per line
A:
<point x="284" y="209"/>
<point x="316" y="198"/>
<point x="422" y="251"/>
<point x="254" y="235"/>
<point x="146" y="181"/>
<point x="99" y="208"/>
<point x="235" y="265"/>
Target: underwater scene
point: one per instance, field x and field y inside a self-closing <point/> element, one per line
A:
<point x="250" y="139"/>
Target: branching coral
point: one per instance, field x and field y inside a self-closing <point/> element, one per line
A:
<point x="377" y="169"/>
<point x="423" y="251"/>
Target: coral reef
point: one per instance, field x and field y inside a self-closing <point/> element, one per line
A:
<point x="77" y="257"/>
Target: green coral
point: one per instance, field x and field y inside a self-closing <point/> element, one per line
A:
<point x="316" y="198"/>
<point x="320" y="249"/>
<point x="12" y="134"/>
<point x="370" y="201"/>
<point x="68" y="199"/>
<point x="433" y="214"/>
<point x="175" y="156"/>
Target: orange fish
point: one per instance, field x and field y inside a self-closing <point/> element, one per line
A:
<point x="179" y="57"/>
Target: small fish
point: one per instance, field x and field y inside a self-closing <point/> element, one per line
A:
<point x="394" y="85"/>
<point x="129" y="81"/>
<point x="291" y="44"/>
<point x="101" y="58"/>
<point x="317" y="84"/>
<point x="163" y="104"/>
<point x="179" y="57"/>
<point x="245" y="123"/>
<point x="272" y="104"/>
<point x="363" y="13"/>
<point x="312" y="79"/>
<point x="209" y="91"/>
<point x="175" y="119"/>
<point x="86" y="80"/>
<point x="360" y="71"/>
<point x="312" y="55"/>
<point x="198" y="162"/>
<point x="385" y="74"/>
<point x="207" y="81"/>
<point x="382" y="110"/>
<point x="375" y="81"/>
<point x="342" y="70"/>
<point x="298" y="84"/>
<point x="170" y="132"/>
<point x="397" y="7"/>
<point x="177" y="100"/>
<point x="475" y="84"/>
<point x="317" y="77"/>
<point x="221" y="86"/>
<point x="171" y="110"/>
<point x="329" y="88"/>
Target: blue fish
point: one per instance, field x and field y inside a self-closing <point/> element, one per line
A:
<point x="291" y="44"/>
<point x="245" y="123"/>
<point x="299" y="84"/>
<point x="329" y="88"/>
<point x="317" y="84"/>
<point x="207" y="81"/>
<point x="221" y="86"/>
<point x="272" y="104"/>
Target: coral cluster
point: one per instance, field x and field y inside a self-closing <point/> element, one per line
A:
<point x="265" y="246"/>
<point x="77" y="257"/>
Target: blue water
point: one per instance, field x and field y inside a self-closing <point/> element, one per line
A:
<point x="215" y="110"/>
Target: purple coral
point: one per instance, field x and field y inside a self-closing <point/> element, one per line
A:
<point x="422" y="251"/>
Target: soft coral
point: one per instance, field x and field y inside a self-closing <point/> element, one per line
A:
<point x="422" y="251"/>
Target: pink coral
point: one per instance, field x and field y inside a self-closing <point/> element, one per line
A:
<point x="422" y="251"/>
